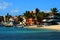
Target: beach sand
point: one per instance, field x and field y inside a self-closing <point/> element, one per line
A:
<point x="53" y="27"/>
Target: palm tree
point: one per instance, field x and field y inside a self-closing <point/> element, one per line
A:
<point x="7" y="17"/>
<point x="54" y="14"/>
<point x="20" y="19"/>
<point x="1" y="18"/>
<point x="39" y="16"/>
<point x="28" y="15"/>
<point x="37" y="11"/>
<point x="54" y="11"/>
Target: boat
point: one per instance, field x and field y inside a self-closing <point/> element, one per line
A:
<point x="21" y="26"/>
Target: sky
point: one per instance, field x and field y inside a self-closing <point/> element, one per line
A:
<point x="18" y="7"/>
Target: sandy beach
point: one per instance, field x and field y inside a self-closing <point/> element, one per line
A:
<point x="53" y="27"/>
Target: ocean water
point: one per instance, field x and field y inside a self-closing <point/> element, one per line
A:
<point x="14" y="33"/>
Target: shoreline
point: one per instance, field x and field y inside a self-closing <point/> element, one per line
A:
<point x="52" y="27"/>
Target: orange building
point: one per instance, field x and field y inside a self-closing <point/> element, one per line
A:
<point x="29" y="21"/>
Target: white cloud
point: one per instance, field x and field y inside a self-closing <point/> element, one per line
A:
<point x="46" y="11"/>
<point x="15" y="11"/>
<point x="4" y="5"/>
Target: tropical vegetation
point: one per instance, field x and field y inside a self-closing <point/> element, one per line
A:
<point x="36" y="15"/>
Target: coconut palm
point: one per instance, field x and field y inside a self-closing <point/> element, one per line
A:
<point x="1" y="18"/>
<point x="54" y="11"/>
<point x="7" y="17"/>
<point x="39" y="15"/>
<point x="28" y="15"/>
<point x="20" y="19"/>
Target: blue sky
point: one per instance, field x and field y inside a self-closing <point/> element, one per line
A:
<point x="18" y="7"/>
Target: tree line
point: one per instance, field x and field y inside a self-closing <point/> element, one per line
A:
<point x="39" y="15"/>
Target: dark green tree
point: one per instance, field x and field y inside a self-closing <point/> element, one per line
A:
<point x="54" y="11"/>
<point x="7" y="17"/>
<point x="20" y="19"/>
<point x="39" y="16"/>
<point x="27" y="15"/>
<point x="1" y="18"/>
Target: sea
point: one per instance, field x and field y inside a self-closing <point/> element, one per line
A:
<point x="16" y="33"/>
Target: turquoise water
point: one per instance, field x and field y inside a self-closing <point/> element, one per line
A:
<point x="14" y="33"/>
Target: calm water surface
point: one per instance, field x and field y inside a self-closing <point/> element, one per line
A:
<point x="13" y="33"/>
